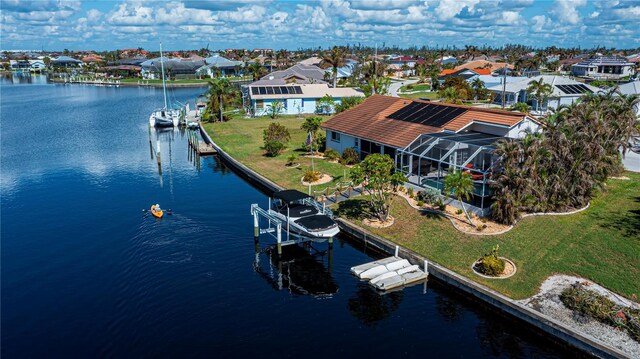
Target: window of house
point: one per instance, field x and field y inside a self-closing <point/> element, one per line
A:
<point x="335" y="136"/>
<point x="259" y="104"/>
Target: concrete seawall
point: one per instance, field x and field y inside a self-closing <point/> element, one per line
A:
<point x="486" y="295"/>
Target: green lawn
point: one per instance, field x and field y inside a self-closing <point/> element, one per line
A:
<point x="417" y="95"/>
<point x="601" y="243"/>
<point x="242" y="139"/>
<point x="416" y="87"/>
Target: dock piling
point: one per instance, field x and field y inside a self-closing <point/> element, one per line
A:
<point x="396" y="252"/>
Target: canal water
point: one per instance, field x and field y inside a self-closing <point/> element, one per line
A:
<point x="87" y="273"/>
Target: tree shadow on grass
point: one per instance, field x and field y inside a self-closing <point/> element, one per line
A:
<point x="432" y="215"/>
<point x="354" y="209"/>
<point x="628" y="222"/>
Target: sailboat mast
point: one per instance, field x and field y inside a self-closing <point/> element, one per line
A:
<point x="164" y="85"/>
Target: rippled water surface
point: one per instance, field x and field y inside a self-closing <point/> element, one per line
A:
<point x="86" y="273"/>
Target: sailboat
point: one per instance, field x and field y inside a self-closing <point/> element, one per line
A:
<point x="164" y="117"/>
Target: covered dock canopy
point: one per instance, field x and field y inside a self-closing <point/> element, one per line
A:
<point x="290" y="195"/>
<point x="430" y="157"/>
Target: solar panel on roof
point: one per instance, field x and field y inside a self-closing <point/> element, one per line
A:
<point x="276" y="90"/>
<point x="427" y="113"/>
<point x="283" y="90"/>
<point x="254" y="91"/>
<point x="574" y="89"/>
<point x="298" y="90"/>
<point x="269" y="90"/>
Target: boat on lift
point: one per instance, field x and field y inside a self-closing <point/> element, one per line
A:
<point x="303" y="215"/>
<point x="164" y="117"/>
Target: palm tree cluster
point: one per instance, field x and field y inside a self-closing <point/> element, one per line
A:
<point x="335" y="58"/>
<point x="562" y="167"/>
<point x="220" y="94"/>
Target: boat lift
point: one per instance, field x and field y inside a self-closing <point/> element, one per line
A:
<point x="278" y="229"/>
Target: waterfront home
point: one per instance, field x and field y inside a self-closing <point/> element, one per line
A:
<point x="177" y="68"/>
<point x="17" y="65"/>
<point x="298" y="74"/>
<point x="427" y="140"/>
<point x="66" y="61"/>
<point x="218" y="64"/>
<point x="603" y="68"/>
<point x="467" y="74"/>
<point x="565" y="91"/>
<point x="293" y="99"/>
<point x="484" y="64"/>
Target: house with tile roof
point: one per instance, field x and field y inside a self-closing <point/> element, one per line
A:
<point x="603" y="68"/>
<point x="427" y="139"/>
<point x="565" y="91"/>
<point x="298" y="74"/>
<point x="294" y="98"/>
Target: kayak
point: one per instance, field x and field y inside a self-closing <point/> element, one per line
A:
<point x="157" y="214"/>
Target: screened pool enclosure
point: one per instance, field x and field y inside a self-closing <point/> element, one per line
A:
<point x="430" y="157"/>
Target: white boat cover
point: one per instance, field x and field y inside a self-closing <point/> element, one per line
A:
<point x="363" y="267"/>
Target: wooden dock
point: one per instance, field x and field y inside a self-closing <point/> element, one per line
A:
<point x="199" y="146"/>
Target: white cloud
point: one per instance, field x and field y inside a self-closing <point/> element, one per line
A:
<point x="382" y="4"/>
<point x="511" y="18"/>
<point x="539" y="22"/>
<point x="566" y="11"/>
<point x="447" y="9"/>
<point x="131" y="14"/>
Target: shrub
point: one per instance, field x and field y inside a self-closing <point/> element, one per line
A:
<point x="599" y="307"/>
<point x="311" y="176"/>
<point x="331" y="154"/>
<point x="440" y="204"/>
<point x="320" y="142"/>
<point x="420" y="203"/>
<point x="409" y="87"/>
<point x="291" y="159"/>
<point x="347" y="103"/>
<point x="349" y="157"/>
<point x="459" y="211"/>
<point x="410" y="192"/>
<point x="491" y="264"/>
<point x="276" y="132"/>
<point x="273" y="148"/>
<point x="429" y="195"/>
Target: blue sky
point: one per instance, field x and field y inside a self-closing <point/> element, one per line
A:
<point x="192" y="24"/>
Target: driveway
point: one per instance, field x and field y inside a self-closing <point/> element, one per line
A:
<point x="395" y="86"/>
<point x="631" y="161"/>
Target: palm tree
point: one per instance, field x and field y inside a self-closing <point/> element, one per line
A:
<point x="257" y="70"/>
<point x="335" y="58"/>
<point x="460" y="184"/>
<point x="449" y="95"/>
<point x="220" y="92"/>
<point x="478" y="88"/>
<point x="540" y="90"/>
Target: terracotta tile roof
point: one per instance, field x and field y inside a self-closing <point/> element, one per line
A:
<point x="473" y="65"/>
<point x="482" y="71"/>
<point x="447" y="72"/>
<point x="369" y="120"/>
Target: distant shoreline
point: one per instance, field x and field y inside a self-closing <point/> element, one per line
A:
<point x="133" y="84"/>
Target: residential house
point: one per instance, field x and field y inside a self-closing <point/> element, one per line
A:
<point x="603" y="68"/>
<point x="466" y="74"/>
<point x="66" y="61"/>
<point x="565" y="91"/>
<point x="343" y="71"/>
<point x="298" y="73"/>
<point x="19" y="64"/>
<point x="293" y="97"/>
<point x="312" y="61"/>
<point x="427" y="140"/>
<point x="484" y="64"/>
<point x="176" y="68"/>
<point x="447" y="60"/>
<point x="218" y="64"/>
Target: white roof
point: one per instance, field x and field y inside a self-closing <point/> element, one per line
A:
<point x="311" y="91"/>
<point x="552" y="80"/>
<point x="314" y="60"/>
<point x="630" y="88"/>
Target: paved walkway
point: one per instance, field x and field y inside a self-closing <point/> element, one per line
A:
<point x="395" y="86"/>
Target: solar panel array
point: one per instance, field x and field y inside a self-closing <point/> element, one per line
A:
<point x="427" y="114"/>
<point x="276" y="90"/>
<point x="574" y="89"/>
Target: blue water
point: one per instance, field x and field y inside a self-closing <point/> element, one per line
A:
<point x="86" y="273"/>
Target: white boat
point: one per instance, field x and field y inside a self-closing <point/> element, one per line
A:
<point x="302" y="215"/>
<point x="164" y="117"/>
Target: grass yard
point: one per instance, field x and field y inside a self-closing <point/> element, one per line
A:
<point x="242" y="139"/>
<point x="417" y="95"/>
<point x="601" y="243"/>
<point x="416" y="87"/>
